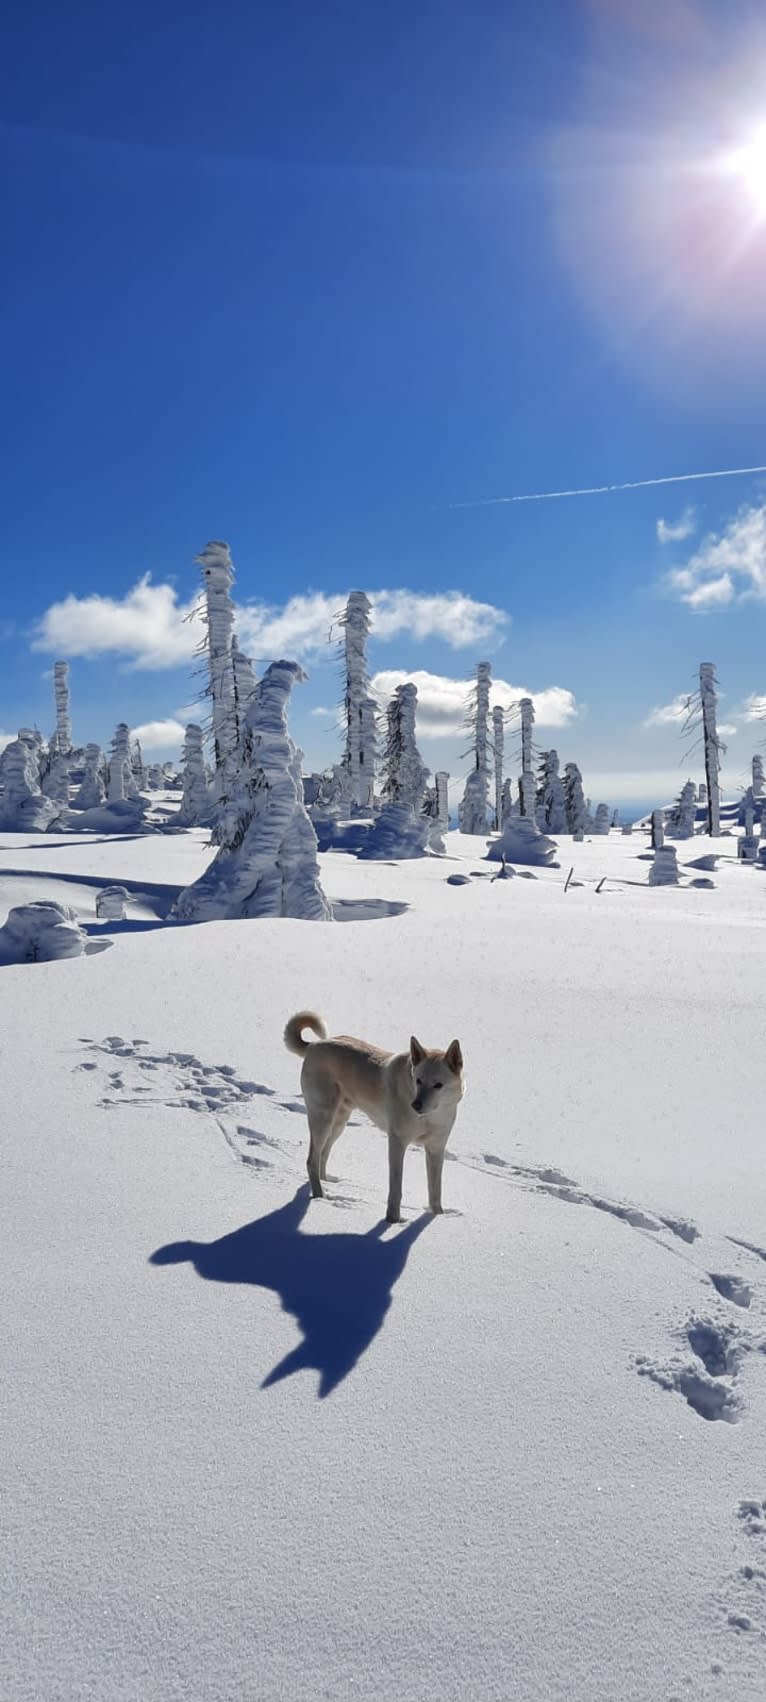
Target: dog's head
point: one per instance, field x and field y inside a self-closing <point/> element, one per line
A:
<point x="437" y="1076"/>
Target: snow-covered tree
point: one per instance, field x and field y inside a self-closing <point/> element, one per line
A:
<point x="473" y="811"/>
<point x="55" y="783"/>
<point x="759" y="785"/>
<point x="23" y="807"/>
<point x="498" y="749"/>
<point x="658" y="830"/>
<point x="436" y="807"/>
<point x="360" y="708"/>
<point x="550" y="794"/>
<point x="709" y="696"/>
<point x="601" y="824"/>
<point x="137" y="768"/>
<point x="218" y="577"/>
<point x="62" y="738"/>
<point x="574" y="800"/>
<point x="267" y="862"/>
<point x="92" y="793"/>
<point x="521" y="842"/>
<point x="404" y="772"/>
<point x="121" y="781"/>
<point x="682" y="817"/>
<point x="244" y="684"/>
<point x="197" y="805"/>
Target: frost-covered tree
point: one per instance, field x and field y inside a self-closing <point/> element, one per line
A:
<point x="601" y="824"/>
<point x="404" y="772"/>
<point x="197" y="807"/>
<point x="521" y="842"/>
<point x="121" y="781"/>
<point x="574" y="800"/>
<point x="527" y="790"/>
<point x="682" y="817"/>
<point x="658" y="830"/>
<point x="267" y="862"/>
<point x="55" y="783"/>
<point x="498" y="749"/>
<point x="709" y="697"/>
<point x="360" y="708"/>
<point x="92" y="792"/>
<point x="62" y="738"/>
<point x="218" y="578"/>
<point x="759" y="785"/>
<point x="473" y="811"/>
<point x="137" y="768"/>
<point x="550" y="794"/>
<point x="436" y="807"/>
<point x="403" y="825"/>
<point x="23" y="807"/>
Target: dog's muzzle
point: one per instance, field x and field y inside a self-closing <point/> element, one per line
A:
<point x="417" y="1104"/>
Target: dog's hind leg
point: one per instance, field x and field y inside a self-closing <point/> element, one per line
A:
<point x="321" y="1120"/>
<point x="338" y="1125"/>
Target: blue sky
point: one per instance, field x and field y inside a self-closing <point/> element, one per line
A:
<point x="308" y="278"/>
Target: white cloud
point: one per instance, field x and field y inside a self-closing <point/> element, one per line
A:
<point x="673" y="531"/>
<point x="159" y="735"/>
<point x="726" y="729"/>
<point x="324" y="714"/>
<point x="727" y="568"/>
<point x="6" y="739"/>
<point x="442" y="700"/>
<point x="754" y="708"/>
<point x="151" y="629"/>
<point x="669" y="714"/>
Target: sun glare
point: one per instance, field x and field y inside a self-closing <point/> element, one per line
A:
<point x="748" y="163"/>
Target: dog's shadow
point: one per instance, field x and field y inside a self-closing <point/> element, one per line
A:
<point x="338" y="1286"/>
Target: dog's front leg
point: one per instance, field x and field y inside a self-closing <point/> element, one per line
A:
<point x="434" y="1168"/>
<point x="395" y="1170"/>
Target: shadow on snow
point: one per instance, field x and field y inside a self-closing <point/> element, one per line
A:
<point x="337" y="1286"/>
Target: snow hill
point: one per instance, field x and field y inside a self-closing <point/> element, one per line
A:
<point x="260" y="1447"/>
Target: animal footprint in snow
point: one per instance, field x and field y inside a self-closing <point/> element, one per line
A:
<point x="710" y="1399"/>
<point x="732" y="1288"/>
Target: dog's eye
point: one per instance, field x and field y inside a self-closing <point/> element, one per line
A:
<point x="437" y="1085"/>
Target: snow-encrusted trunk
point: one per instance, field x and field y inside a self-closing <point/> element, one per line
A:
<point x="473" y="811"/>
<point x="121" y="781"/>
<point x="658" y="830"/>
<point x="437" y="805"/>
<point x="56" y="782"/>
<point x="360" y="708"/>
<point x="137" y="768"/>
<point x="63" y="734"/>
<point x="574" y="800"/>
<point x="218" y="576"/>
<point x="267" y="864"/>
<point x="197" y="805"/>
<point x="709" y="697"/>
<point x="758" y="776"/>
<point x="92" y="793"/>
<point x="601" y="824"/>
<point x="498" y="747"/>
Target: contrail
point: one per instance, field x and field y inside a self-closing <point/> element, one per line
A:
<point x="605" y="490"/>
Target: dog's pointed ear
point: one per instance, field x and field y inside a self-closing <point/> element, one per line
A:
<point x="417" y="1052"/>
<point x="453" y="1057"/>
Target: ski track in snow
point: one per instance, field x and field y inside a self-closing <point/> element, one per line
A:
<point x="713" y="1349"/>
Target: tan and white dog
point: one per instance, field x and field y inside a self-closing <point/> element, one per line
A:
<point x="413" y="1096"/>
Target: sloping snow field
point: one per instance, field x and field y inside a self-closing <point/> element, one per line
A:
<point x="264" y="1448"/>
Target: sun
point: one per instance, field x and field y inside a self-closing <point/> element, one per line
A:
<point x="748" y="164"/>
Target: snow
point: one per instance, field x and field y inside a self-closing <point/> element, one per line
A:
<point x="256" y="1446"/>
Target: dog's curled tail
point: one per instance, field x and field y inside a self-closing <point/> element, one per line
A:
<point x="293" y="1036"/>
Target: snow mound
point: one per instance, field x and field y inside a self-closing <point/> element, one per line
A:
<point x="41" y="932"/>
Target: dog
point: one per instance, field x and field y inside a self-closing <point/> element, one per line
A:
<point x="412" y="1096"/>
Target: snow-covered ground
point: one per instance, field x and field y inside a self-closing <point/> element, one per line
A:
<point x="260" y="1447"/>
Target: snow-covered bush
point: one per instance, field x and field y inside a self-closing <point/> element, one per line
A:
<point x="521" y="842"/>
<point x="663" y="869"/>
<point x="267" y="862"/>
<point x="40" y="933"/>
<point x="681" y="819"/>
